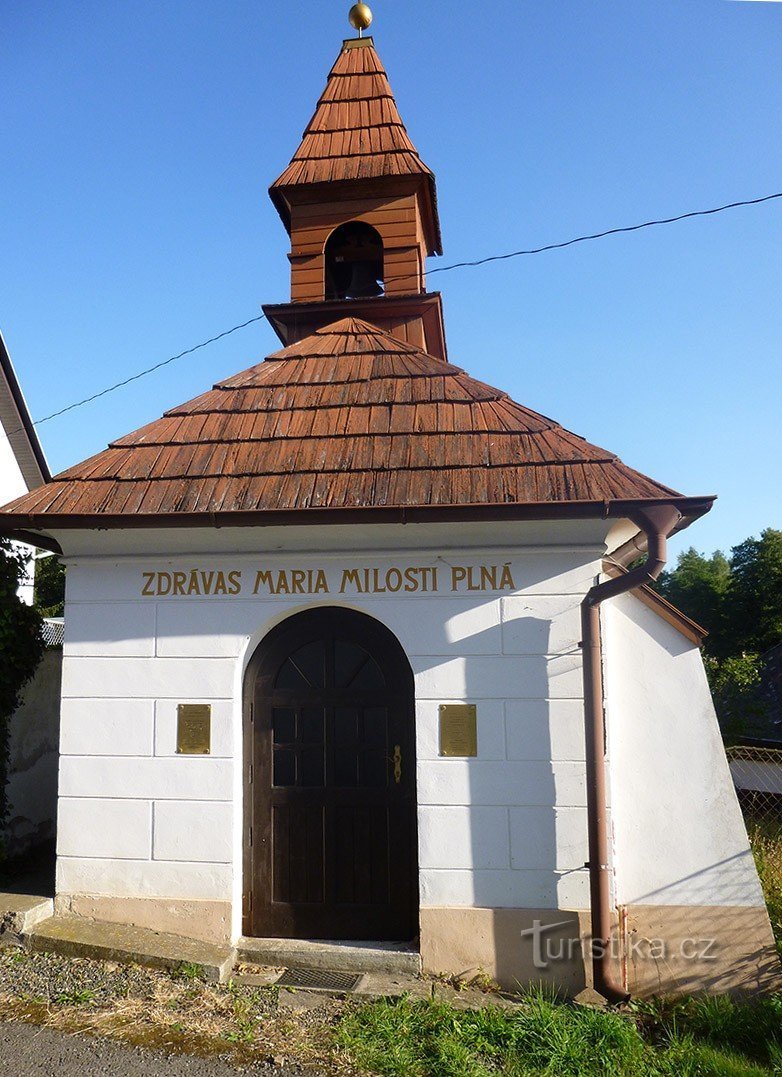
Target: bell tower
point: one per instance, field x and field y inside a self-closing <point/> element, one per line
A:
<point x="360" y="207"/>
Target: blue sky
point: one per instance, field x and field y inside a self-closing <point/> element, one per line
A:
<point x="139" y="139"/>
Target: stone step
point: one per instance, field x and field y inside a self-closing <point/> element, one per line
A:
<point x="386" y="957"/>
<point x="74" y="937"/>
<point x="20" y="913"/>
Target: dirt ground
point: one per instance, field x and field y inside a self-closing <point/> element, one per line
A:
<point x="30" y="1051"/>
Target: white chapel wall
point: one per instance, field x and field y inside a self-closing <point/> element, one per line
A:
<point x="679" y="836"/>
<point x="507" y="829"/>
<point x="13" y="485"/>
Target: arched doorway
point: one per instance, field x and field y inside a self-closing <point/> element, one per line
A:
<point x="330" y="846"/>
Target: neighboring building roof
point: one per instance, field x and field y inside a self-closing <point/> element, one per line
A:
<point x="350" y="418"/>
<point x="18" y="426"/>
<point x="356" y="132"/>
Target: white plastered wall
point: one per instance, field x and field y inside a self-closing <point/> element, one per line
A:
<point x="679" y="836"/>
<point x="13" y="485"/>
<point x="507" y="829"/>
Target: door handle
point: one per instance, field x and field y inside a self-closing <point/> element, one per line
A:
<point x="397" y="763"/>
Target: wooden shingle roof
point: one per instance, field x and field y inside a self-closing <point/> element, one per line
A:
<point x="348" y="418"/>
<point x="356" y="132"/>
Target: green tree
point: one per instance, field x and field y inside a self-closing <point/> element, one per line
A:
<point x="735" y="688"/>
<point x="753" y="602"/>
<point x="697" y="586"/>
<point x="739" y="602"/>
<point x="21" y="649"/>
<point x="50" y="586"/>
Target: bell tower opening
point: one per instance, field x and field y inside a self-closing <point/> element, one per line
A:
<point x="354" y="262"/>
<point x="360" y="206"/>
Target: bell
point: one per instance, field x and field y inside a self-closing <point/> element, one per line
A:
<point x="363" y="281"/>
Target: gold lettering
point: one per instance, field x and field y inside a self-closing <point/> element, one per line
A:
<point x="488" y="577"/>
<point x="414" y="579"/>
<point x="395" y="575"/>
<point x="412" y="582"/>
<point x="458" y="575"/>
<point x="506" y="580"/>
<point x="351" y="576"/>
<point x="264" y="578"/>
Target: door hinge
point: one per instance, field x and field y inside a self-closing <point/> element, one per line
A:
<point x="250" y="836"/>
<point x="250" y="775"/>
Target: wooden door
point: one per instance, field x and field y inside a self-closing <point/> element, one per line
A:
<point x="331" y="806"/>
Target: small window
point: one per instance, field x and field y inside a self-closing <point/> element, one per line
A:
<point x="354" y="262"/>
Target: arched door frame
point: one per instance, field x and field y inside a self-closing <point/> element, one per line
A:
<point x="267" y="658"/>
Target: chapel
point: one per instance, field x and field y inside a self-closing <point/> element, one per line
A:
<point x="360" y="649"/>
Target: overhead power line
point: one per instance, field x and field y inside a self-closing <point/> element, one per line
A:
<point x="437" y="269"/>
<point x="608" y="232"/>
<point x="149" y="370"/>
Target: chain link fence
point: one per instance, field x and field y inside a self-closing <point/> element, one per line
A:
<point x="757" y="775"/>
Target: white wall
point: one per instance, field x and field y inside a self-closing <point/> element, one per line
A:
<point x="12" y="485"/>
<point x="507" y="829"/>
<point x="679" y="836"/>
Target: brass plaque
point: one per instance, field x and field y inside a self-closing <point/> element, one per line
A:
<point x="194" y="729"/>
<point x="458" y="729"/>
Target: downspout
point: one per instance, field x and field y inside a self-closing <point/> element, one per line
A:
<point x="657" y="522"/>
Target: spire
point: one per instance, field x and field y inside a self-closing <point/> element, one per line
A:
<point x="357" y="134"/>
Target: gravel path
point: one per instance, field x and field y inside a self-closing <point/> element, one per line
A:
<point x="29" y="1051"/>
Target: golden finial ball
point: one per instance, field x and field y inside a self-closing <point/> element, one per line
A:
<point x="360" y="17"/>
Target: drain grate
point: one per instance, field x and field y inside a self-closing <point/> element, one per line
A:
<point x="318" y="980"/>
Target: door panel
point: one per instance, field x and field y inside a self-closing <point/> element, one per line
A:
<point x="331" y="808"/>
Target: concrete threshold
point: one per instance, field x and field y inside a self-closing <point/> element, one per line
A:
<point x="30" y="921"/>
<point x="380" y="957"/>
<point x="21" y="913"/>
<point x="74" y="937"/>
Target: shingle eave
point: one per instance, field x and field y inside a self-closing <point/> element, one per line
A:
<point x="323" y="432"/>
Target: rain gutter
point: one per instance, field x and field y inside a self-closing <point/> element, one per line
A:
<point x="657" y="522"/>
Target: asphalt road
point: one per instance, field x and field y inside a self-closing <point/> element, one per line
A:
<point x="30" y="1051"/>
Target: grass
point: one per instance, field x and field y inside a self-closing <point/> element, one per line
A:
<point x="406" y="1038"/>
<point x="403" y="1037"/>
<point x="765" y="837"/>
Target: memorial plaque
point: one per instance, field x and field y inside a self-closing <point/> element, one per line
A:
<point x="458" y="729"/>
<point x="194" y="729"/>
